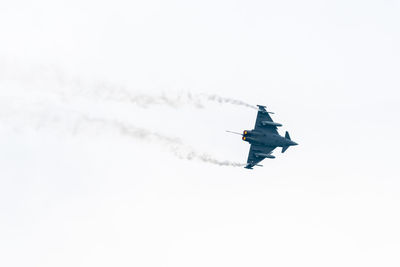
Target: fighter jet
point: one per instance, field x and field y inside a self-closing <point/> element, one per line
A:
<point x="264" y="138"/>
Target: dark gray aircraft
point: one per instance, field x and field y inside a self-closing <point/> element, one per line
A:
<point x="264" y="138"/>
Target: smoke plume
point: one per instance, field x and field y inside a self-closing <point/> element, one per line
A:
<point x="80" y="123"/>
<point x="55" y="82"/>
<point x="173" y="99"/>
<point x="173" y="145"/>
<point x="40" y="91"/>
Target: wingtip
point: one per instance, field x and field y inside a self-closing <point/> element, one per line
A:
<point x="249" y="166"/>
<point x="264" y="109"/>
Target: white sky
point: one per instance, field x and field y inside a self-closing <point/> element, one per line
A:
<point x="96" y="197"/>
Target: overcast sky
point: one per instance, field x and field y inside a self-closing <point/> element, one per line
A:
<point x="102" y="101"/>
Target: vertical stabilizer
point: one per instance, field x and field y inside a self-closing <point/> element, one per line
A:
<point x="287" y="136"/>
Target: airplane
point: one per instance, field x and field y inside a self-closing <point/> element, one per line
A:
<point x="264" y="138"/>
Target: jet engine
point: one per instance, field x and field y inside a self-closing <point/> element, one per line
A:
<point x="247" y="138"/>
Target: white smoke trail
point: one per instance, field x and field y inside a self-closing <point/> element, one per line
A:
<point x="173" y="145"/>
<point x="174" y="99"/>
<point x="54" y="81"/>
<point x="36" y="91"/>
<point x="77" y="123"/>
<point x="228" y="100"/>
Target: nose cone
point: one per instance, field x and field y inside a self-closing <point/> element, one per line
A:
<point x="293" y="143"/>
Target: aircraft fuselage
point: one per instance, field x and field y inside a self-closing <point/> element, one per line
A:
<point x="267" y="139"/>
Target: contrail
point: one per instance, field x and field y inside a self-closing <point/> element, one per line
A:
<point x="174" y="145"/>
<point x="110" y="92"/>
<point x="77" y="123"/>
<point x="55" y="81"/>
<point x="37" y="90"/>
<point x="228" y="100"/>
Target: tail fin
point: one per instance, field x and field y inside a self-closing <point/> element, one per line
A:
<point x="287" y="136"/>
